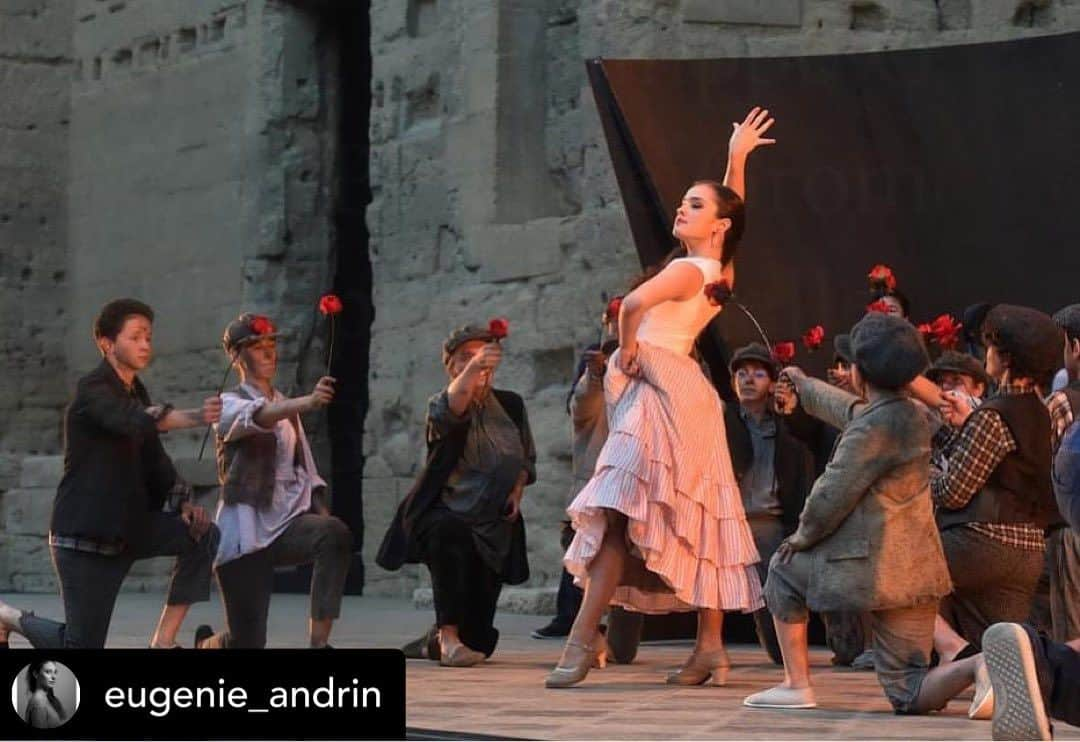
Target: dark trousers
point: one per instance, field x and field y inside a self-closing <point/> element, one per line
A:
<point x="247" y="582"/>
<point x="568" y="599"/>
<point x="768" y="534"/>
<point x="992" y="582"/>
<point x="466" y="590"/>
<point x="1058" y="670"/>
<point x="89" y="583"/>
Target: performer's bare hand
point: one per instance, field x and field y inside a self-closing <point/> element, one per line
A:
<point x="957" y="408"/>
<point x="628" y="362"/>
<point x="196" y="518"/>
<point x="747" y="136"/>
<point x="784" y="552"/>
<point x="323" y="393"/>
<point x="785" y="399"/>
<point x="513" y="504"/>
<point x="839" y="377"/>
<point x="595" y="361"/>
<point x="211" y="410"/>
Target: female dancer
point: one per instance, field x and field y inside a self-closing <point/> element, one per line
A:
<point x="43" y="708"/>
<point x="660" y="526"/>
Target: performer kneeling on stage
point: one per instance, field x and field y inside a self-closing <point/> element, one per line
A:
<point x="270" y="514"/>
<point x="866" y="539"/>
<point x="108" y="511"/>
<point x="463" y="517"/>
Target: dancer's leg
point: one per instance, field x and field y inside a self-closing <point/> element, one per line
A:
<point x="604" y="573"/>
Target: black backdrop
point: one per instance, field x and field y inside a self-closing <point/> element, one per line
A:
<point x="959" y="167"/>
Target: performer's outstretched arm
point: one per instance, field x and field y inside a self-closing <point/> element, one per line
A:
<point x="745" y="138"/>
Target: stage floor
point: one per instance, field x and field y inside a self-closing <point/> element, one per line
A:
<point x="505" y="697"/>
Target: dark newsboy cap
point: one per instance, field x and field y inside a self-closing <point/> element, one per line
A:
<point x="842" y="346"/>
<point x="888" y="350"/>
<point x="1030" y="337"/>
<point x="953" y="361"/>
<point x="246" y="329"/>
<point x="463" y="335"/>
<point x="757" y="353"/>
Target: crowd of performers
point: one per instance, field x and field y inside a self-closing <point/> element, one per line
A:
<point x="931" y="511"/>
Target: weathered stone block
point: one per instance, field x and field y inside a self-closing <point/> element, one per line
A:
<point x="752" y="12"/>
<point x="508" y="252"/>
<point x="42" y="472"/>
<point x="27" y="511"/>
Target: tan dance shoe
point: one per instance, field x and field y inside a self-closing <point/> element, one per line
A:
<point x="700" y="667"/>
<point x="594" y="656"/>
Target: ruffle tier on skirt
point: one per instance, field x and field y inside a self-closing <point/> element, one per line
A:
<point x="666" y="466"/>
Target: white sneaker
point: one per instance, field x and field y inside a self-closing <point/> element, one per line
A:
<point x="982" y="705"/>
<point x="782" y="698"/>
<point x="1019" y="712"/>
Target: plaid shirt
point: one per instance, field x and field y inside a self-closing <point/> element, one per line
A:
<point x="1061" y="417"/>
<point x="970" y="457"/>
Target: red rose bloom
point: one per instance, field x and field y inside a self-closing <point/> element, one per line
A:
<point x="783" y="352"/>
<point x="813" y="337"/>
<point x="882" y="275"/>
<point x="946" y="331"/>
<point x="261" y="325"/>
<point x="612" y="311"/>
<point x="718" y="292"/>
<point x="330" y="304"/>
<point x="499" y="328"/>
<point x="878" y="306"/>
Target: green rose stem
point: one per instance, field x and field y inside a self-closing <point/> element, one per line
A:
<point x="221" y="388"/>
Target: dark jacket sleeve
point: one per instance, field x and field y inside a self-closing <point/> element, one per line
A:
<point x="740" y="446"/>
<point x="96" y="402"/>
<point x="1066" y="476"/>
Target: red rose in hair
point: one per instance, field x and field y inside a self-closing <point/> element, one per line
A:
<point x="330" y="304"/>
<point x="261" y="325"/>
<point x="882" y="275"/>
<point x="612" y="311"/>
<point x="878" y="306"/>
<point x="499" y="328"/>
<point x="813" y="337"/>
<point x="946" y="331"/>
<point x="718" y="292"/>
<point x="783" y="352"/>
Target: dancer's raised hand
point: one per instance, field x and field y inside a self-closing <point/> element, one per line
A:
<point x="748" y="135"/>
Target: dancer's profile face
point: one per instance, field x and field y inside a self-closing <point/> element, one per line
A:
<point x="46" y="677"/>
<point x="133" y="346"/>
<point x="696" y="218"/>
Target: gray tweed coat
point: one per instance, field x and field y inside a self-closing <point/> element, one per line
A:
<point x="868" y="523"/>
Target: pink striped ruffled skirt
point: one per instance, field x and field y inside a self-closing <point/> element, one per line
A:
<point x="666" y="466"/>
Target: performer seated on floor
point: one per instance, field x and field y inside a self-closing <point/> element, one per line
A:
<point x="270" y="513"/>
<point x="866" y="539"/>
<point x="117" y="479"/>
<point x="463" y="517"/>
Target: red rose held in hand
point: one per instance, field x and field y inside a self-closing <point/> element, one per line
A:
<point x="612" y="312"/>
<point x="718" y="292"/>
<point x="262" y="325"/>
<point x="813" y="337"/>
<point x="783" y="352"/>
<point x="946" y="331"/>
<point x="883" y="275"/>
<point x="499" y="328"/>
<point x="330" y="304"/>
<point x="926" y="330"/>
<point x="878" y="306"/>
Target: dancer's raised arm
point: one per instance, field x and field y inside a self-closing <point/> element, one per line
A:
<point x="745" y="138"/>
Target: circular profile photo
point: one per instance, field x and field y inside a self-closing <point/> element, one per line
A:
<point x="45" y="694"/>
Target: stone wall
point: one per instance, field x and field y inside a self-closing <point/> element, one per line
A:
<point x="494" y="194"/>
<point x="192" y="166"/>
<point x="35" y="73"/>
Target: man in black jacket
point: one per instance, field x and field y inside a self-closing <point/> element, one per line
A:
<point x="775" y="469"/>
<point x="108" y="511"/>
